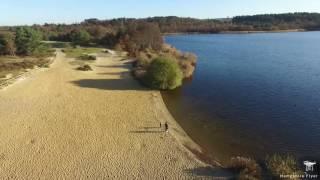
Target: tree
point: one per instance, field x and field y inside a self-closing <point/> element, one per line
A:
<point x="164" y="73"/>
<point x="27" y="40"/>
<point x="140" y="36"/>
<point x="7" y="45"/>
<point x="80" y="37"/>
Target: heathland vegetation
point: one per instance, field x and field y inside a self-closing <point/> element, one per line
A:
<point x="20" y="50"/>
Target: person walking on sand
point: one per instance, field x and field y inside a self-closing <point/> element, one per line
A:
<point x="166" y="127"/>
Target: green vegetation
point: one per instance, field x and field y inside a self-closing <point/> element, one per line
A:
<point x="7" y="44"/>
<point x="78" y="52"/>
<point x="285" y="164"/>
<point x="54" y="44"/>
<point x="28" y="41"/>
<point x="246" y="168"/>
<point x="269" y="22"/>
<point x="80" y="37"/>
<point x="88" y="57"/>
<point x="163" y="73"/>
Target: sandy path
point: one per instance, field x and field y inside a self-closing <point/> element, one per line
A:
<point x="66" y="124"/>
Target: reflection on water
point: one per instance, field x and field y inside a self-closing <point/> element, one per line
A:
<point x="251" y="95"/>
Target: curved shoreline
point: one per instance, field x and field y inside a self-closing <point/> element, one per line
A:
<point x="175" y="130"/>
<point x="183" y="139"/>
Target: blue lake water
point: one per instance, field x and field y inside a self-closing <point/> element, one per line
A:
<point x="251" y="94"/>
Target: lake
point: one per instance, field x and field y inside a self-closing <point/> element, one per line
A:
<point x="252" y="94"/>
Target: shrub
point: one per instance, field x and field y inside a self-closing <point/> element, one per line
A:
<point x="143" y="60"/>
<point x="163" y="73"/>
<point x="187" y="61"/>
<point x="285" y="164"/>
<point x="246" y="167"/>
<point x="88" y="57"/>
<point x="85" y="67"/>
<point x="187" y="68"/>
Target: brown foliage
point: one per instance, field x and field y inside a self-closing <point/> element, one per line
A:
<point x="246" y="167"/>
<point x="7" y="44"/>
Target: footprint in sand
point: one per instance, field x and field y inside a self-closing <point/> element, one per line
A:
<point x="32" y="141"/>
<point x="139" y="146"/>
<point x="2" y="157"/>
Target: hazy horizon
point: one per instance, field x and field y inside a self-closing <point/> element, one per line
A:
<point x="58" y="11"/>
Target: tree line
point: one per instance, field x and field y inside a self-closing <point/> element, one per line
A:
<point x="24" y="41"/>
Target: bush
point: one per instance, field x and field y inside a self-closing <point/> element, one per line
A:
<point x="187" y="61"/>
<point x="246" y="167"/>
<point x="88" y="57"/>
<point x="84" y="68"/>
<point x="278" y="165"/>
<point x="187" y="68"/>
<point x="163" y="73"/>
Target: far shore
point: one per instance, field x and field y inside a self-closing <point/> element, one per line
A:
<point x="241" y="32"/>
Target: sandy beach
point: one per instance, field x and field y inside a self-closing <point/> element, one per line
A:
<point x="67" y="124"/>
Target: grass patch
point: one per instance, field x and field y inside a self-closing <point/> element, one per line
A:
<point x="58" y="44"/>
<point x="88" y="57"/>
<point x="282" y="164"/>
<point x="14" y="64"/>
<point x="78" y="52"/>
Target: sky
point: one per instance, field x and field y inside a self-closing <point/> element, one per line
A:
<point x="27" y="12"/>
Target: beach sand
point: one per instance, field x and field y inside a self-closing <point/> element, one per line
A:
<point x="67" y="124"/>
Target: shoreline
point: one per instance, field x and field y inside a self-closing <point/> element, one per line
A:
<point x="183" y="139"/>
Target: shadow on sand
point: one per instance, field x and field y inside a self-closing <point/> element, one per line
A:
<point x="122" y="74"/>
<point x="147" y="131"/>
<point x="212" y="172"/>
<point x="125" y="66"/>
<point x="125" y="81"/>
<point x="110" y="84"/>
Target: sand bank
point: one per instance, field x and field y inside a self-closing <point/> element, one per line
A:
<point x="67" y="124"/>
